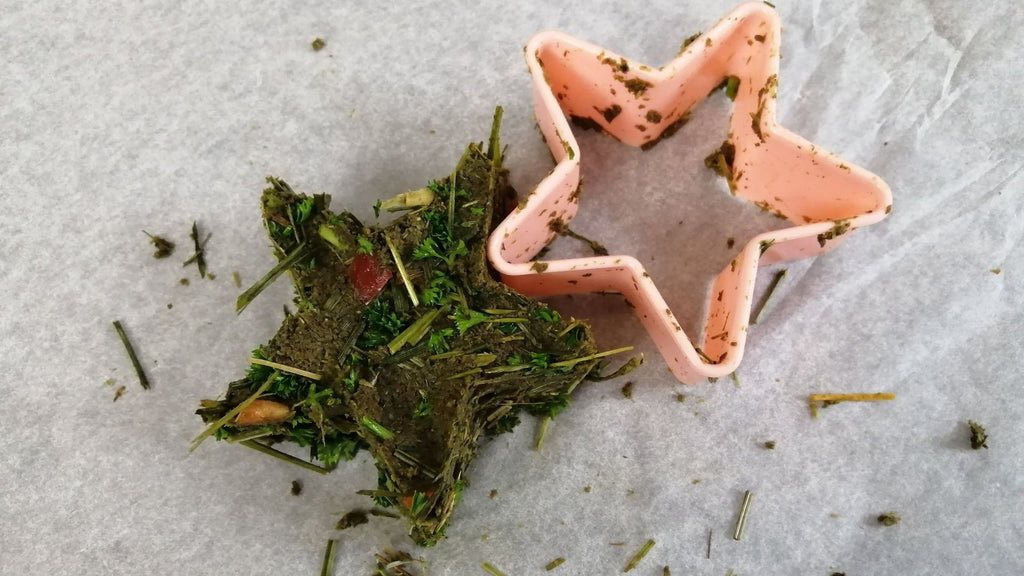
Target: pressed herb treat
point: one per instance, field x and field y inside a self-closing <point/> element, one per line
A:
<point x="403" y="343"/>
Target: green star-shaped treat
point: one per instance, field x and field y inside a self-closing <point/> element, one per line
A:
<point x="404" y="344"/>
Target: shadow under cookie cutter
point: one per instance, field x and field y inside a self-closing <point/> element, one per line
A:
<point x="821" y="195"/>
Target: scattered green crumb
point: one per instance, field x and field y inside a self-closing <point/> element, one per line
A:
<point x="183" y="281"/>
<point x="680" y="397"/>
<point x="554" y="564"/>
<point x="539" y="267"/>
<point x="109" y="382"/>
<point x="611" y="112"/>
<point x="653" y="116"/>
<point x="211" y="276"/>
<point x="318" y="44"/>
<point x="485" y="537"/>
<point x="732" y="86"/>
<point x="667" y="133"/>
<point x="721" y="160"/>
<point x="979" y="437"/>
<point x="695" y="481"/>
<point x="996" y="270"/>
<point x="619" y="65"/>
<point x="494" y="493"/>
<point x="769" y="445"/>
<point x="236" y="279"/>
<point x="354" y="518"/>
<point x="730" y="242"/>
<point x="170" y="305"/>
<point x="588" y="489"/>
<point x="889" y="519"/>
<point x="164" y="247"/>
<point x="835" y="515"/>
<point x="769" y="3"/>
<point x="637" y="86"/>
<point x="689" y="40"/>
<point x="119" y="392"/>
<point x="639" y="555"/>
<point x="627" y="390"/>
<point x="666" y="572"/>
<point x="491" y="569"/>
<point x="296" y="487"/>
<point x="839" y="227"/>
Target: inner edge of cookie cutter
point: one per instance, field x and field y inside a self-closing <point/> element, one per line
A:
<point x="823" y="196"/>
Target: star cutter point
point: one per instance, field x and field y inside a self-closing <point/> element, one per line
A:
<point x="822" y="196"/>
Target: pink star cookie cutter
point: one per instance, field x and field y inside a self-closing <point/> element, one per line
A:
<point x="822" y="196"/>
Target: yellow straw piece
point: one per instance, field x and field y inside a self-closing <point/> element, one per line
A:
<point x="814" y="399"/>
<point x="284" y="368"/>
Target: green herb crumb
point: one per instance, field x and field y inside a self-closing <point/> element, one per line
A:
<point x="164" y="247"/>
<point x="889" y="519"/>
<point x="490" y="569"/>
<point x="635" y="560"/>
<point x="318" y="44"/>
<point x="637" y="86"/>
<point x="611" y="112"/>
<point x="354" y="518"/>
<point x="554" y="564"/>
<point x="689" y="40"/>
<point x="732" y="87"/>
<point x="979" y="437"/>
<point x="627" y="390"/>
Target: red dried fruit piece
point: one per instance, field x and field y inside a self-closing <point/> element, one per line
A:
<point x="368" y="278"/>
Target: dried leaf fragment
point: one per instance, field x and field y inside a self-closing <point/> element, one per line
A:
<point x="978" y="435"/>
<point x="889" y="519"/>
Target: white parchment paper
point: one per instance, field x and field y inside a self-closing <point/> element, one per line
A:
<point x="119" y="117"/>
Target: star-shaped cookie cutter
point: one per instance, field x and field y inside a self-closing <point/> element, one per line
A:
<point x="823" y="196"/>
